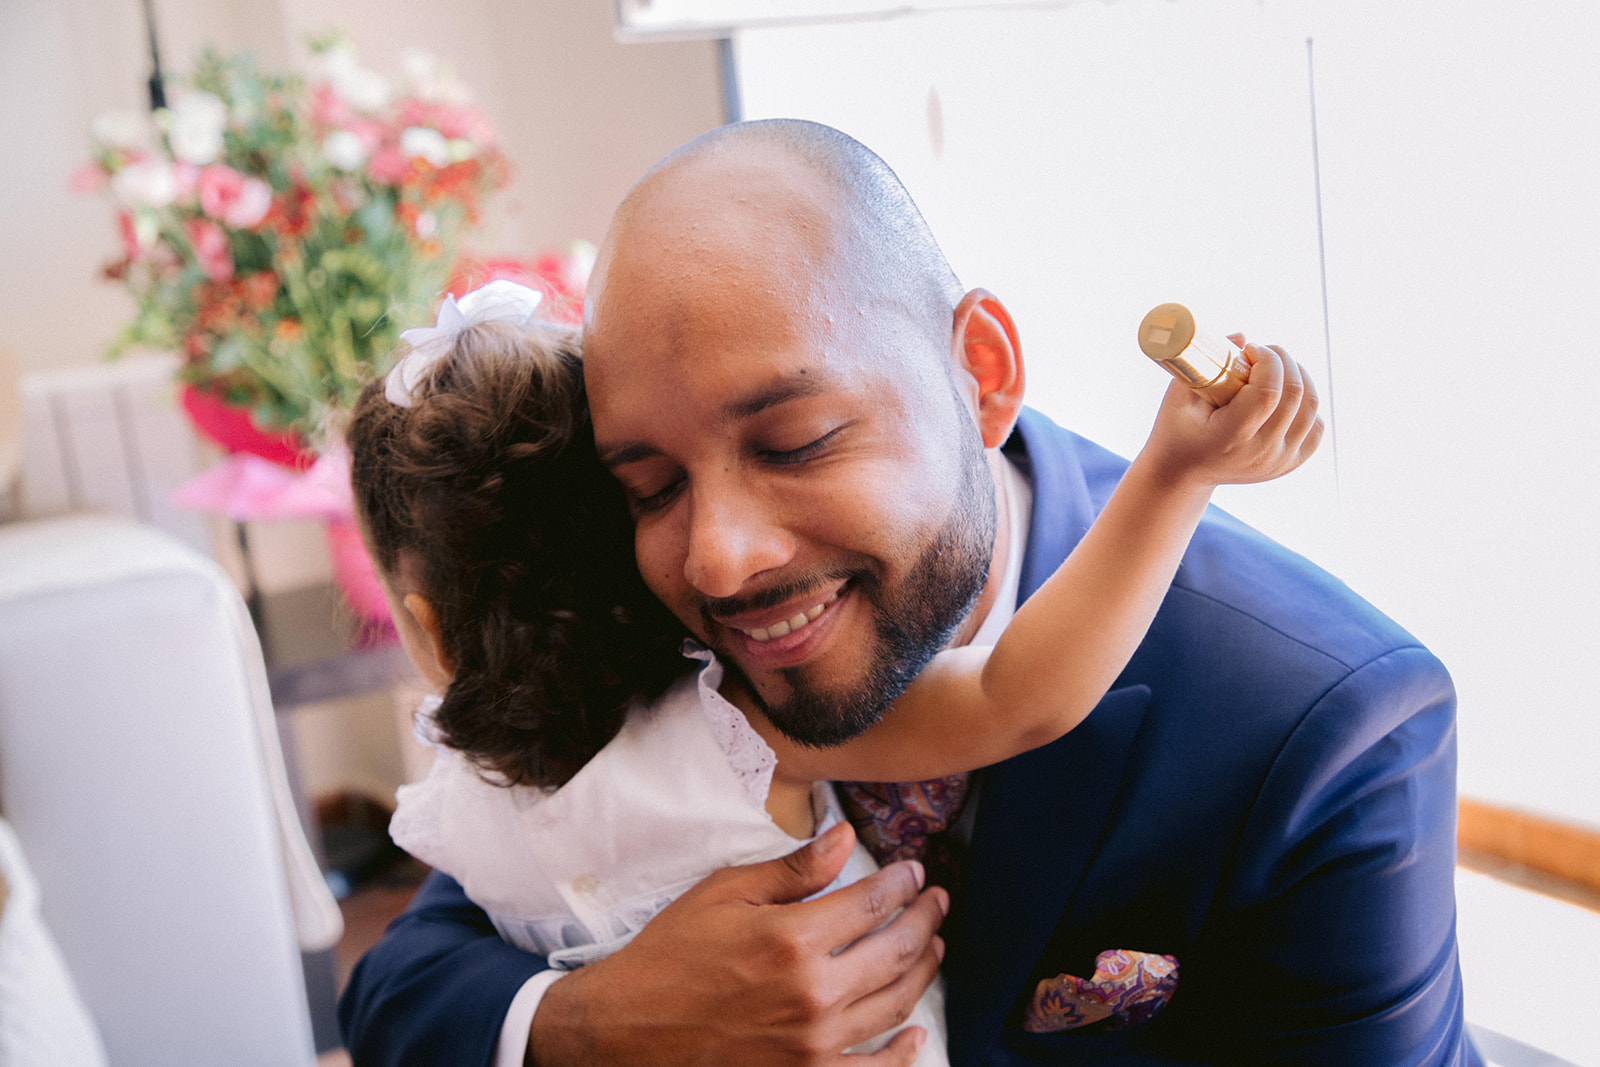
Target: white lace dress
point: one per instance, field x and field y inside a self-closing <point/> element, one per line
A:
<point x="574" y="873"/>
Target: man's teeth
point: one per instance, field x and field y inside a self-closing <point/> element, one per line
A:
<point x="789" y="626"/>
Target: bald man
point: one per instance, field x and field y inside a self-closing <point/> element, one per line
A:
<point x="1245" y="854"/>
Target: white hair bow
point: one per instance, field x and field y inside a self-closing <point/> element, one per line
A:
<point x="498" y="300"/>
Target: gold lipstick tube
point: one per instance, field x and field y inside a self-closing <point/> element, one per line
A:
<point x="1212" y="366"/>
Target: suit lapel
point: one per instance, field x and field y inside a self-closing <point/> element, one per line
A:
<point x="1040" y="819"/>
<point x="1041" y="815"/>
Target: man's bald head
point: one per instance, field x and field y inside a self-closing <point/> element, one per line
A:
<point x="855" y="210"/>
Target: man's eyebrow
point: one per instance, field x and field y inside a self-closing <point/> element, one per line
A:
<point x="622" y="455"/>
<point x="795" y="387"/>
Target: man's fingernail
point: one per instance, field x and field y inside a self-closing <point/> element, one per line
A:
<point x="938" y="948"/>
<point x="944" y="903"/>
<point x="919" y="874"/>
<point x="919" y="1040"/>
<point x="830" y="838"/>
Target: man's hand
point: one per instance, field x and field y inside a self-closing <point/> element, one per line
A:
<point x="735" y="972"/>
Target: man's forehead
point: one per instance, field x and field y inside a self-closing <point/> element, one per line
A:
<point x="731" y="207"/>
<point x="706" y="246"/>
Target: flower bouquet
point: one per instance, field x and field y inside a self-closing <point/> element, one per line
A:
<point x="279" y="232"/>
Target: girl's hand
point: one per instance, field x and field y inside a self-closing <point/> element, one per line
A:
<point x="1269" y="428"/>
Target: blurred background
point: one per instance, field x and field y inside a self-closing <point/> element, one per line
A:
<point x="1401" y="193"/>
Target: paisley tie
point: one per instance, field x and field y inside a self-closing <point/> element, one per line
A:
<point x="907" y="820"/>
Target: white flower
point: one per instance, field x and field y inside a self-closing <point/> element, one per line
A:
<point x="431" y="81"/>
<point x="151" y="183"/>
<point x="366" y="90"/>
<point x="429" y="344"/>
<point x="428" y="144"/>
<point x="427" y="224"/>
<point x="578" y="265"/>
<point x="121" y="129"/>
<point x="418" y="66"/>
<point x="197" y="122"/>
<point x="362" y="89"/>
<point x="146" y="228"/>
<point x="344" y="150"/>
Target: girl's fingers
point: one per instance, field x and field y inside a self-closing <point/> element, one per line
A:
<point x="1306" y="418"/>
<point x="1291" y="397"/>
<point x="1262" y="395"/>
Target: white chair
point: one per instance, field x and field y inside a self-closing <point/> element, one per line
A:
<point x="139" y="766"/>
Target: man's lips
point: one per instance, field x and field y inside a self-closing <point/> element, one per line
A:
<point x="784" y="636"/>
<point x="799" y="620"/>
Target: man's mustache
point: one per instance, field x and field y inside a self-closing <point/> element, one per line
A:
<point x="715" y="609"/>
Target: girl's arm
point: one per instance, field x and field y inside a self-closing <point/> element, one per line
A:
<point x="975" y="706"/>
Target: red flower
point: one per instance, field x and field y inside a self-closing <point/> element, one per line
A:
<point x="292" y="214"/>
<point x="259" y="289"/>
<point x="195" y="346"/>
<point x="211" y="249"/>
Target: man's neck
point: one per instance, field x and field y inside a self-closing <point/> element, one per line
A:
<point x="998" y="561"/>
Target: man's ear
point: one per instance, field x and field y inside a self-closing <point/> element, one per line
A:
<point x="984" y="345"/>
<point x="435" y="663"/>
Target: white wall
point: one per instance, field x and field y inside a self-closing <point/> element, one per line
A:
<point x="1089" y="161"/>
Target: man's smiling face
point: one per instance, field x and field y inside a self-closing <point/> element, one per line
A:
<point x="812" y="498"/>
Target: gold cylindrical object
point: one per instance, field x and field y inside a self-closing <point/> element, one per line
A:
<point x="1212" y="366"/>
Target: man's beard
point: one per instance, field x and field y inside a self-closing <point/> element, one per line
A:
<point x="912" y="624"/>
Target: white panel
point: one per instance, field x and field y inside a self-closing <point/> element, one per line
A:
<point x="1087" y="162"/>
<point x="1460" y="144"/>
<point x="43" y="477"/>
<point x="167" y="456"/>
<point x="109" y="438"/>
<point x="96" y="449"/>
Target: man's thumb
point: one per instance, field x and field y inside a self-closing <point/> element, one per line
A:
<point x="810" y="869"/>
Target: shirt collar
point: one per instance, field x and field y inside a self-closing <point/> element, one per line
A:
<point x="1017" y="498"/>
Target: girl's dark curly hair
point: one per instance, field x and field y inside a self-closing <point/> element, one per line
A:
<point x="488" y="490"/>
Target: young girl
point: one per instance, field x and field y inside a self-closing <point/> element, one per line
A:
<point x="580" y="784"/>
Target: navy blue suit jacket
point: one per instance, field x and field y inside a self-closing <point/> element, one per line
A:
<point x="1268" y="794"/>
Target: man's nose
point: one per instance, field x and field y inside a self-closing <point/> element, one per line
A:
<point x="734" y="535"/>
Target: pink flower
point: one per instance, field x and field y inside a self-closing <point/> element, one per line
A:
<point x="388" y="166"/>
<point x="89" y="178"/>
<point x="466" y="123"/>
<point x="255" y="200"/>
<point x="225" y="194"/>
<point x="131" y="247"/>
<point x="219" y="187"/>
<point x="370" y="133"/>
<point x="185" y="177"/>
<point x="328" y="107"/>
<point x="454" y="121"/>
<point x="211" y="249"/>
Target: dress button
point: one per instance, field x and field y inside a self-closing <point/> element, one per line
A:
<point x="585" y="884"/>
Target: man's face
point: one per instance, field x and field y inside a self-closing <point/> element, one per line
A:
<point x="812" y="500"/>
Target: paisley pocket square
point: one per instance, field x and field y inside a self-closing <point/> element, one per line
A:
<point x="1127" y="988"/>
